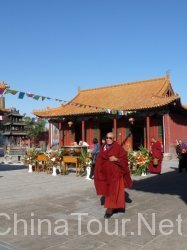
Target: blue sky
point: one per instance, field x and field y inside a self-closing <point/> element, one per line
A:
<point x="50" y="47"/>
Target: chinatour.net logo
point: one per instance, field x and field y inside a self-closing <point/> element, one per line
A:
<point x="34" y="226"/>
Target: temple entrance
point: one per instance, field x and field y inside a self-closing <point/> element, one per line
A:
<point x="78" y="132"/>
<point x="105" y="127"/>
<point x="137" y="135"/>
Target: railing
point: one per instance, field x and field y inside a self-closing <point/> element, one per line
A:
<point x="9" y="121"/>
<point x="15" y="132"/>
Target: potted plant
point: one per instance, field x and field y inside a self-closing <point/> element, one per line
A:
<point x="85" y="160"/>
<point x="139" y="161"/>
<point x="30" y="157"/>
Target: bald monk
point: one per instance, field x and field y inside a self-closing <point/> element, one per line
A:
<point x="112" y="175"/>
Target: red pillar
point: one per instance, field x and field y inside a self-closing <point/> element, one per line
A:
<point x="68" y="141"/>
<point x="148" y="131"/>
<point x="60" y="133"/>
<point x="83" y="130"/>
<point x="115" y="128"/>
<point x="123" y="134"/>
<point x="50" y="128"/>
<point x="166" y="131"/>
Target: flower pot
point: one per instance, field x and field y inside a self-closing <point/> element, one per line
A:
<point x="144" y="174"/>
<point x="54" y="171"/>
<point x="88" y="170"/>
<point x="30" y="168"/>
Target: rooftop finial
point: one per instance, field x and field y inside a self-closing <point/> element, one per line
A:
<point x="167" y="75"/>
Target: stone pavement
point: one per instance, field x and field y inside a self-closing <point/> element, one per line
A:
<point x="49" y="208"/>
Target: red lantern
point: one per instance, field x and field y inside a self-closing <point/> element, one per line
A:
<point x="132" y="120"/>
<point x="70" y="123"/>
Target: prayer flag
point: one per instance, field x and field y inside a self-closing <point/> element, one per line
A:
<point x="21" y="95"/>
<point x="10" y="91"/>
<point x="1" y="91"/>
<point x="29" y="95"/>
<point x="36" y="97"/>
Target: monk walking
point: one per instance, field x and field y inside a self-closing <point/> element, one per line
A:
<point x="112" y="175"/>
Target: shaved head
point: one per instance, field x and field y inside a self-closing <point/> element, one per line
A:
<point x="110" y="138"/>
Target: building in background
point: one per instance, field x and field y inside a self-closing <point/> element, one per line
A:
<point x="134" y="111"/>
<point x="14" y="132"/>
<point x="3" y="111"/>
<point x="12" y="126"/>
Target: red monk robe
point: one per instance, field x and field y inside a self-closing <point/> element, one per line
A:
<point x="111" y="178"/>
<point x="156" y="150"/>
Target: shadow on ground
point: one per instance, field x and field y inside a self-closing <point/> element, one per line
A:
<point x="173" y="183"/>
<point x="8" y="167"/>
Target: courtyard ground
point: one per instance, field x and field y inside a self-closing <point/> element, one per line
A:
<point x="155" y="201"/>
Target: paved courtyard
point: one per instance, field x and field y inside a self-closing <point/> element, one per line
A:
<point x="40" y="211"/>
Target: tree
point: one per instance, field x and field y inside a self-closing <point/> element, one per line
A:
<point x="35" y="127"/>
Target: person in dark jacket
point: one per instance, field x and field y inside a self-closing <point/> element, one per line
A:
<point x="181" y="150"/>
<point x="95" y="151"/>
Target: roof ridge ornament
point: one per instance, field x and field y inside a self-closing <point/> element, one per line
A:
<point x="167" y="76"/>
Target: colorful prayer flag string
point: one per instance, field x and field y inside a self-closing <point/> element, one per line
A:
<point x="36" y="97"/>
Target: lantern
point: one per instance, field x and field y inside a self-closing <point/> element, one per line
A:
<point x="70" y="123"/>
<point x="132" y="120"/>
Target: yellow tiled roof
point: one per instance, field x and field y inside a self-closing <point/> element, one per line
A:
<point x="184" y="106"/>
<point x="138" y="95"/>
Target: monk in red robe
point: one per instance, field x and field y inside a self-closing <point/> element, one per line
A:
<point x="156" y="151"/>
<point x="112" y="175"/>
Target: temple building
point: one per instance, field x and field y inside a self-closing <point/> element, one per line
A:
<point x="134" y="111"/>
<point x="12" y="127"/>
<point x="3" y="111"/>
<point x="14" y="131"/>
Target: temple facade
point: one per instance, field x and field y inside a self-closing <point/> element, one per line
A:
<point x="134" y="111"/>
<point x="14" y="131"/>
<point x="3" y="111"/>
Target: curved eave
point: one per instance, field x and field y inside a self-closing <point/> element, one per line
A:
<point x="50" y="114"/>
<point x="157" y="103"/>
<point x="184" y="107"/>
<point x="69" y="110"/>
